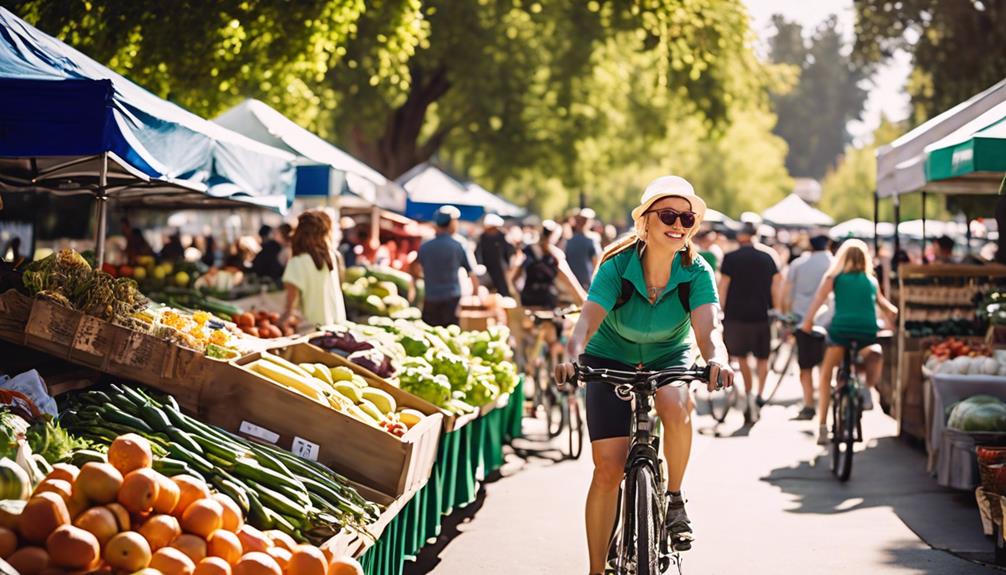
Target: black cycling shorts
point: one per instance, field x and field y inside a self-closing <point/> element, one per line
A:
<point x="607" y="415"/>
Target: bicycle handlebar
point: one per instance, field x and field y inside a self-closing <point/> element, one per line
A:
<point x="643" y="381"/>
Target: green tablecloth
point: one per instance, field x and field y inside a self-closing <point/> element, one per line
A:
<point x="452" y="485"/>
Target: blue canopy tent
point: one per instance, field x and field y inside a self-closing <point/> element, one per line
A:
<point x="319" y="159"/>
<point x="429" y="188"/>
<point x="69" y="125"/>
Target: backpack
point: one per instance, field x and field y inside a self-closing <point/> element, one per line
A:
<point x="684" y="292"/>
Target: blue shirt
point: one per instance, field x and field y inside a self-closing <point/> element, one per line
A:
<point x="441" y="259"/>
<point x="580" y="253"/>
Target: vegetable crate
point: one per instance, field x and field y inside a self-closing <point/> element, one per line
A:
<point x="242" y="401"/>
<point x="14" y="310"/>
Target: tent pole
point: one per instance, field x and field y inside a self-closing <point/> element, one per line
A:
<point x="876" y="218"/>
<point x="102" y="212"/>
<point x="923" y="225"/>
<point x="897" y="234"/>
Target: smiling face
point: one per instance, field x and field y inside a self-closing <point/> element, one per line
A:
<point x="674" y="236"/>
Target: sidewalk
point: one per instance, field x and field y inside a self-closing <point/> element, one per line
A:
<point x="763" y="501"/>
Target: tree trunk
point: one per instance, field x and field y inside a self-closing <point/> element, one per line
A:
<point x="398" y="148"/>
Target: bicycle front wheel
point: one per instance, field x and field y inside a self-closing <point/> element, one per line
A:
<point x="647" y="521"/>
<point x="844" y="437"/>
<point x="720" y="403"/>
<point x="575" y="425"/>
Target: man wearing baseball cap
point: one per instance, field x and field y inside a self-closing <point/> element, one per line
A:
<point x="495" y="252"/>
<point x="583" y="250"/>
<point x="439" y="262"/>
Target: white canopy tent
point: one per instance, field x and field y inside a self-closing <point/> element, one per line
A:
<point x="793" y="212"/>
<point x="860" y="228"/>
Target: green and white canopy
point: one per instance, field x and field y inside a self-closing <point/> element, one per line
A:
<point x="972" y="159"/>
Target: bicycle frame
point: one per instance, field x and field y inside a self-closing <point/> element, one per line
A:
<point x="846" y="412"/>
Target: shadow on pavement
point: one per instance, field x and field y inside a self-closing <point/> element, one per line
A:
<point x="450" y="529"/>
<point x="888" y="473"/>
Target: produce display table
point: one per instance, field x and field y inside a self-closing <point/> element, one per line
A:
<point x="453" y="485"/>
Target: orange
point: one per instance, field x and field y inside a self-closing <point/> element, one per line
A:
<point x="225" y="545"/>
<point x="190" y="490"/>
<point x="148" y="570"/>
<point x="29" y="560"/>
<point x="72" y="547"/>
<point x="130" y="452"/>
<point x="100" y="522"/>
<point x="257" y="563"/>
<point x="233" y="519"/>
<point x="191" y="545"/>
<point x="128" y="551"/>
<point x="281" y="539"/>
<point x="41" y="516"/>
<point x="8" y="542"/>
<point x="307" y="560"/>
<point x="252" y="539"/>
<point x="160" y="531"/>
<point x="60" y="487"/>
<point x="203" y="517"/>
<point x="281" y="555"/>
<point x="167" y="496"/>
<point x="139" y="491"/>
<point x="121" y="516"/>
<point x="171" y="561"/>
<point x="64" y="471"/>
<point x="345" y="566"/>
<point x="78" y="502"/>
<point x="213" y="566"/>
<point x="100" y="482"/>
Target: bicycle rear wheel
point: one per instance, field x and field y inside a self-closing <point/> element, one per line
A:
<point x="779" y="370"/>
<point x="575" y="425"/>
<point x="844" y="435"/>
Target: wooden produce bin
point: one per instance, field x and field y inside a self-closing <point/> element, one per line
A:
<point x="244" y="402"/>
<point x="451" y="421"/>
<point x="14" y="311"/>
<point x="351" y="543"/>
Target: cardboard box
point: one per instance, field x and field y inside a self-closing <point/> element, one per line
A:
<point x="242" y="401"/>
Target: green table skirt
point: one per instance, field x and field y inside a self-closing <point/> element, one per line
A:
<point x="452" y="485"/>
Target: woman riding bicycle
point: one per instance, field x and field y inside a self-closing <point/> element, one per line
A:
<point x="855" y="319"/>
<point x="647" y="328"/>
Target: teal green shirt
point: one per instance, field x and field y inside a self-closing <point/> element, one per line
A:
<point x="656" y="336"/>
<point x="855" y="306"/>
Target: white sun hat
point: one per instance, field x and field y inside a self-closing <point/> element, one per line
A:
<point x="668" y="187"/>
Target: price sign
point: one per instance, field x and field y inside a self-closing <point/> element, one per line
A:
<point x="92" y="337"/>
<point x="258" y="432"/>
<point x="305" y="448"/>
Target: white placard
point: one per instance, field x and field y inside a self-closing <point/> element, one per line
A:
<point x="305" y="448"/>
<point x="258" y="432"/>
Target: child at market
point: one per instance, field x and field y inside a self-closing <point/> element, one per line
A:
<point x="851" y="278"/>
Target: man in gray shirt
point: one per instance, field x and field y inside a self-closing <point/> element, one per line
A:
<point x="438" y="262"/>
<point x="582" y="250"/>
<point x="804" y="277"/>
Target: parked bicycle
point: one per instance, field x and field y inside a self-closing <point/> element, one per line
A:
<point x="783" y="352"/>
<point x="846" y="411"/>
<point x="640" y="542"/>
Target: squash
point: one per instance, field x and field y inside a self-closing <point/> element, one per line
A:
<point x="14" y="481"/>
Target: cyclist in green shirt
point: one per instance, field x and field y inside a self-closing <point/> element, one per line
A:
<point x="851" y="279"/>
<point x="649" y="329"/>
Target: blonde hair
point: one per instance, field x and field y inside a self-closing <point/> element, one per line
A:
<point x="853" y="256"/>
<point x="638" y="237"/>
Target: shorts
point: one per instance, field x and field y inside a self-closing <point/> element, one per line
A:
<point x="441" y="313"/>
<point x="809" y="349"/>
<point x="745" y="338"/>
<point x="843" y="339"/>
<point x="607" y="415"/>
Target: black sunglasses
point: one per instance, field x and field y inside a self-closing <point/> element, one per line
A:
<point x="669" y="216"/>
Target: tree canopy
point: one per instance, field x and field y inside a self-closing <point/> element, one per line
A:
<point x="829" y="93"/>
<point x="543" y="99"/>
<point x="956" y="47"/>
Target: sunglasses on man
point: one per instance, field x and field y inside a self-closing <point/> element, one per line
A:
<point x="669" y="216"/>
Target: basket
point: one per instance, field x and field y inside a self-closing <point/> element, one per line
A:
<point x="987" y="470"/>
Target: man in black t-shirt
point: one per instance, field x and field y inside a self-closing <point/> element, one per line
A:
<point x="749" y="287"/>
<point x="495" y="252"/>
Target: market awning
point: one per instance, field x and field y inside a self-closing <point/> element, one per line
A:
<point x="972" y="159"/>
<point x="901" y="164"/>
<point x="262" y="123"/>
<point x="72" y="125"/>
<point x="795" y="213"/>
<point x="429" y="188"/>
<point x="860" y="228"/>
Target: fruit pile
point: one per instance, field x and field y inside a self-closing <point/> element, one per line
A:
<point x="122" y="516"/>
<point x="263" y="324"/>
<point x="341" y="389"/>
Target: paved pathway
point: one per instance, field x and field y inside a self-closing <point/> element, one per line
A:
<point x="763" y="501"/>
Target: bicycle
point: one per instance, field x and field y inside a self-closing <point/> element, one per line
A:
<point x="846" y="411"/>
<point x="539" y="366"/>
<point x="639" y="544"/>
<point x="784" y="348"/>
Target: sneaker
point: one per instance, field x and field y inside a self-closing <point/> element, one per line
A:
<point x="760" y="402"/>
<point x="823" y="437"/>
<point x="806" y="414"/>
<point x="754" y="410"/>
<point x="867" y="398"/>
<point x="679" y="527"/>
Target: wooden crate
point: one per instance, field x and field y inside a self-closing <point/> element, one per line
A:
<point x="349" y="542"/>
<point x="242" y="401"/>
<point x="14" y="311"/>
<point x="51" y="328"/>
<point x="451" y="421"/>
